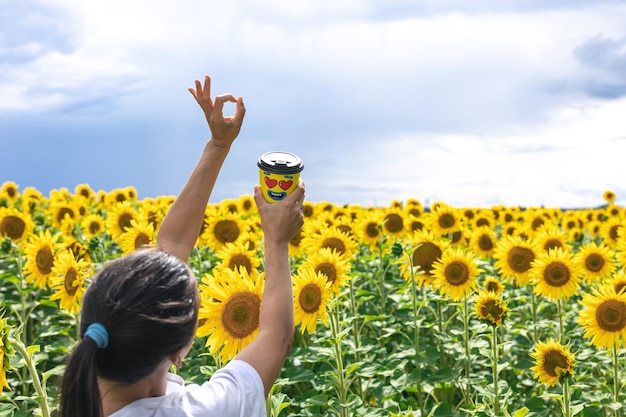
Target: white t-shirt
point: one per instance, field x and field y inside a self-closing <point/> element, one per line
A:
<point x="235" y="390"/>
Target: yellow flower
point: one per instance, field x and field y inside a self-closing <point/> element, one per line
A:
<point x="311" y="293"/>
<point x="67" y="280"/>
<point x="609" y="196"/>
<point x="332" y="265"/>
<point x="10" y="189"/>
<point x="553" y="362"/>
<point x="368" y="229"/>
<point x="455" y="273"/>
<point x="550" y="237"/>
<point x="493" y="285"/>
<point x="332" y="238"/>
<point x="229" y="311"/>
<point x="514" y="257"/>
<point x="239" y="255"/>
<point x="604" y="316"/>
<point x="596" y="261"/>
<point x="555" y="274"/>
<point x="618" y="281"/>
<point x="40" y="253"/>
<point x="482" y="241"/>
<point x="85" y="191"/>
<point x="137" y="235"/>
<point x="15" y="225"/>
<point x="444" y="220"/>
<point x="92" y="225"/>
<point x="119" y="218"/>
<point x="223" y="227"/>
<point x="5" y="352"/>
<point x="393" y="222"/>
<point x="489" y="308"/>
<point x="424" y="250"/>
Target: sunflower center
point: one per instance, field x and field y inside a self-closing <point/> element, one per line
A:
<point x="240" y="316"/>
<point x="446" y="221"/>
<point x="491" y="309"/>
<point x="123" y="221"/>
<point x="536" y="223"/>
<point x="556" y="274"/>
<point x="310" y="298"/>
<point x="141" y="239"/>
<point x="456" y="273"/>
<point x="519" y="259"/>
<point x="226" y="231"/>
<point x="485" y="243"/>
<point x="63" y="211"/>
<point x="594" y="262"/>
<point x="554" y="361"/>
<point x="552" y="243"/>
<point x="619" y="287"/>
<point x="425" y="255"/>
<point x="240" y="261"/>
<point x="328" y="270"/>
<point x="371" y="230"/>
<point x="13" y="227"/>
<point x="393" y="223"/>
<point x="416" y="225"/>
<point x="44" y="260"/>
<point x="94" y="228"/>
<point x="70" y="277"/>
<point x="611" y="315"/>
<point x="247" y="205"/>
<point x="492" y="286"/>
<point x="334" y="243"/>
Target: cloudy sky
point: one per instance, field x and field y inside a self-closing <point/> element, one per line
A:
<point x="474" y="103"/>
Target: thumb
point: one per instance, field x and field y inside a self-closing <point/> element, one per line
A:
<point x="258" y="197"/>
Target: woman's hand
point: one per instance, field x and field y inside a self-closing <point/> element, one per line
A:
<point x="224" y="130"/>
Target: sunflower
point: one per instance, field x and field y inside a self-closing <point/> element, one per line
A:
<point x="85" y="191"/>
<point x="484" y="218"/>
<point x="10" y="189"/>
<point x="455" y="273"/>
<point x="514" y="257"/>
<point x="139" y="234"/>
<point x="5" y="352"/>
<point x="119" y="218"/>
<point x="549" y="237"/>
<point x="295" y="244"/>
<point x="555" y="275"/>
<point x="610" y="231"/>
<point x="331" y="238"/>
<point x="246" y="205"/>
<point x="444" y="220"/>
<point x="604" y="316"/>
<point x="489" y="308"/>
<point x="309" y="209"/>
<point x="222" y="228"/>
<point x="229" y="311"/>
<point x="40" y="253"/>
<point x="493" y="285"/>
<point x="553" y="362"/>
<point x="62" y="211"/>
<point x="239" y="255"/>
<point x="413" y="207"/>
<point x="67" y="279"/>
<point x="368" y="229"/>
<point x="609" y="196"/>
<point x="92" y="225"/>
<point x="482" y="241"/>
<point x="152" y="212"/>
<point x="332" y="265"/>
<point x="618" y="281"/>
<point x="424" y="250"/>
<point x="230" y="205"/>
<point x="596" y="261"/>
<point x="393" y="222"/>
<point x="311" y="293"/>
<point x="15" y="225"/>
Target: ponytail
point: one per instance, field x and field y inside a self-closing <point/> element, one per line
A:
<point x="80" y="394"/>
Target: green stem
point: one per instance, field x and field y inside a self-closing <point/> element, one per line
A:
<point x="566" y="398"/>
<point x="357" y="337"/>
<point x="494" y="347"/>
<point x="467" y="349"/>
<point x="42" y="397"/>
<point x="560" y="313"/>
<point x="416" y="337"/>
<point x="616" y="385"/>
<point x="534" y="313"/>
<point x="342" y="389"/>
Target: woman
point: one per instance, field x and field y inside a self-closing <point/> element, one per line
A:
<point x="140" y="312"/>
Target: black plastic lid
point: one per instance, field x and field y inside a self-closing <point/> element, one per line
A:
<point x="280" y="163"/>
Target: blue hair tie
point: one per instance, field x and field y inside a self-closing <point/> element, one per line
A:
<point x="97" y="333"/>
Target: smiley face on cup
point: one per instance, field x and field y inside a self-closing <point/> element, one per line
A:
<point x="279" y="173"/>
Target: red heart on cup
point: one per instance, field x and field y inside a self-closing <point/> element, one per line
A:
<point x="270" y="182"/>
<point x="285" y="184"/>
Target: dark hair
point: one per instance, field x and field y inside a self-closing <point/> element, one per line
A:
<point x="148" y="303"/>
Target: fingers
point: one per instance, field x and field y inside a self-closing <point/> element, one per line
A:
<point x="220" y="100"/>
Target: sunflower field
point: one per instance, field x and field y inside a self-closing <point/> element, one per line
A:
<point x="402" y="310"/>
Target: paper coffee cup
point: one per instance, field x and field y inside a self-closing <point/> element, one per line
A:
<point x="279" y="173"/>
